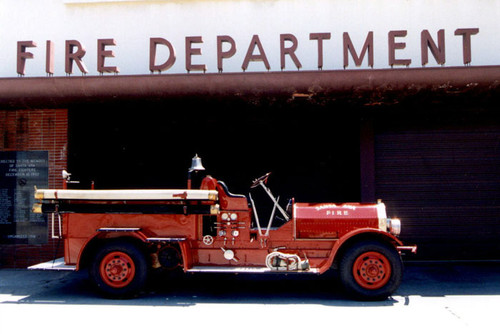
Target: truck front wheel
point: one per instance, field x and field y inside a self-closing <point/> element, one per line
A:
<point x="119" y="270"/>
<point x="371" y="270"/>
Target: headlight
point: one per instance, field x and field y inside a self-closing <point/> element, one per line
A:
<point x="394" y="226"/>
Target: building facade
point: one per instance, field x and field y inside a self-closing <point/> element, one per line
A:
<point x="344" y="101"/>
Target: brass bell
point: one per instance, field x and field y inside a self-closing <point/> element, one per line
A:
<point x="196" y="164"/>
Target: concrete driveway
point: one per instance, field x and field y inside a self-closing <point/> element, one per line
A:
<point x="458" y="297"/>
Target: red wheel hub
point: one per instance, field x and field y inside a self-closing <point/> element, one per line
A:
<point x="117" y="269"/>
<point x="372" y="270"/>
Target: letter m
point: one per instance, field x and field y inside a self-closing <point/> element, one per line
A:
<point x="349" y="48"/>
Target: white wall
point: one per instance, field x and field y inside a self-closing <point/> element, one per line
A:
<point x="133" y="23"/>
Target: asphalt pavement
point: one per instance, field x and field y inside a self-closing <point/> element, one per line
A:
<point x="434" y="297"/>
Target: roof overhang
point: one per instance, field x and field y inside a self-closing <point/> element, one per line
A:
<point x="380" y="86"/>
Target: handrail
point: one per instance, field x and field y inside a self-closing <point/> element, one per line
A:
<point x="53" y="225"/>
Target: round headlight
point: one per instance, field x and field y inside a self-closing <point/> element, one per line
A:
<point x="394" y="226"/>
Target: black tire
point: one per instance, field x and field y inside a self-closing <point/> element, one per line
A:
<point x="119" y="270"/>
<point x="371" y="270"/>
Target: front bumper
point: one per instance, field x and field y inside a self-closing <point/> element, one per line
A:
<point x="407" y="249"/>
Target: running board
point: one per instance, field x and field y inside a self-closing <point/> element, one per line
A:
<point x="57" y="264"/>
<point x="247" y="270"/>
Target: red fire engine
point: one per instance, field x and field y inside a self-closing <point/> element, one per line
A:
<point x="122" y="235"/>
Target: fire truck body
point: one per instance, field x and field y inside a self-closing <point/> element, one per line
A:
<point x="121" y="235"/>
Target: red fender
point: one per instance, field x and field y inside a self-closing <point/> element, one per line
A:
<point x="134" y="234"/>
<point x="348" y="236"/>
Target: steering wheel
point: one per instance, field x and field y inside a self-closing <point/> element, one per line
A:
<point x="263" y="178"/>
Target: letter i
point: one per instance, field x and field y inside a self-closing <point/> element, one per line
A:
<point x="49" y="59"/>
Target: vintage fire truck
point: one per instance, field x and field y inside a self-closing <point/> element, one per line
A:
<point x="121" y="236"/>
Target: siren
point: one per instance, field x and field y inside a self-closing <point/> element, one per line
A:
<point x="66" y="175"/>
<point x="67" y="179"/>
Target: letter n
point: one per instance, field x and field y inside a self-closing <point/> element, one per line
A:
<point x="426" y="42"/>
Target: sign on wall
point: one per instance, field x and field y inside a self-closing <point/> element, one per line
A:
<point x="20" y="172"/>
<point x="94" y="37"/>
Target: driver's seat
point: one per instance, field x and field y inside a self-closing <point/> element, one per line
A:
<point x="229" y="201"/>
<point x="226" y="190"/>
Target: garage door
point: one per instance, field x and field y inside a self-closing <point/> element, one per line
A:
<point x="445" y="186"/>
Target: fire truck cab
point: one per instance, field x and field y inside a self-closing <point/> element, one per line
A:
<point x="120" y="236"/>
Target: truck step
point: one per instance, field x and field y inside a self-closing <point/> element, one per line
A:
<point x="57" y="264"/>
<point x="246" y="270"/>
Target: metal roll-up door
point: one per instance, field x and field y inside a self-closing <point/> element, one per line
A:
<point x="445" y="186"/>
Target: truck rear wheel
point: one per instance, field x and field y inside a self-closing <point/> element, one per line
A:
<point x="371" y="270"/>
<point x="119" y="270"/>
